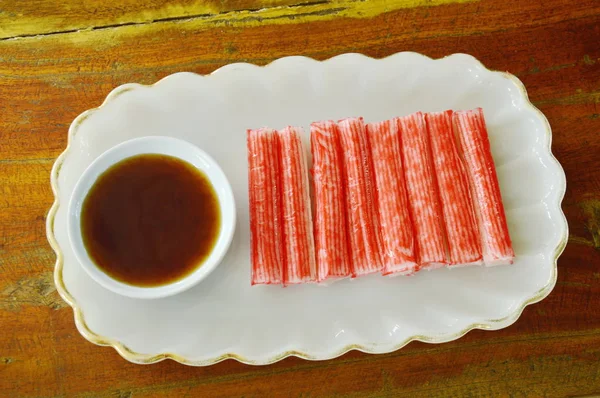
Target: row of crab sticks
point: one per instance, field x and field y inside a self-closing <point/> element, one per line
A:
<point x="410" y="193"/>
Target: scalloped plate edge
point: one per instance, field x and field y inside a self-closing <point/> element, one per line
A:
<point x="135" y="357"/>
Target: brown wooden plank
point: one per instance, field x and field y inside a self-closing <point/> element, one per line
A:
<point x="28" y="361"/>
<point x="28" y="18"/>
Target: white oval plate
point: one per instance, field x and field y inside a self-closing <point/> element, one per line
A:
<point x="224" y="317"/>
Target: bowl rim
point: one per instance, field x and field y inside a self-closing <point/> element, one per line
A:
<point x="161" y="145"/>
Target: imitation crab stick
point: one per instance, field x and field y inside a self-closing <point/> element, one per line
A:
<point x="331" y="238"/>
<point x="266" y="240"/>
<point x="422" y="192"/>
<point x="475" y="147"/>
<point x="464" y="244"/>
<point x="363" y="231"/>
<point x="299" y="251"/>
<point x="392" y="201"/>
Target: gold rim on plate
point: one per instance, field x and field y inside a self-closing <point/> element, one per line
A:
<point x="136" y="357"/>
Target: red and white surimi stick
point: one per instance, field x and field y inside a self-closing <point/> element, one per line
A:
<point x="266" y="240"/>
<point x="392" y="201"/>
<point x="464" y="244"/>
<point x="331" y="238"/>
<point x="299" y="253"/>
<point x="475" y="146"/>
<point x="363" y="231"/>
<point x="423" y="193"/>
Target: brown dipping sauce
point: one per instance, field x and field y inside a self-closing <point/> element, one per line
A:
<point x="150" y="220"/>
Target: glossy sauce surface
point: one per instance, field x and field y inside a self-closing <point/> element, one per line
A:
<point x="150" y="220"/>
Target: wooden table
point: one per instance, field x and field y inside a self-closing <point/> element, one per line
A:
<point x="58" y="59"/>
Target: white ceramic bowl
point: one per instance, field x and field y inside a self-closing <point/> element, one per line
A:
<point x="155" y="145"/>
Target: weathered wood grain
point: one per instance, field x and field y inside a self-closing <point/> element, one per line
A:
<point x="80" y="53"/>
<point x="53" y="17"/>
<point x="25" y="19"/>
